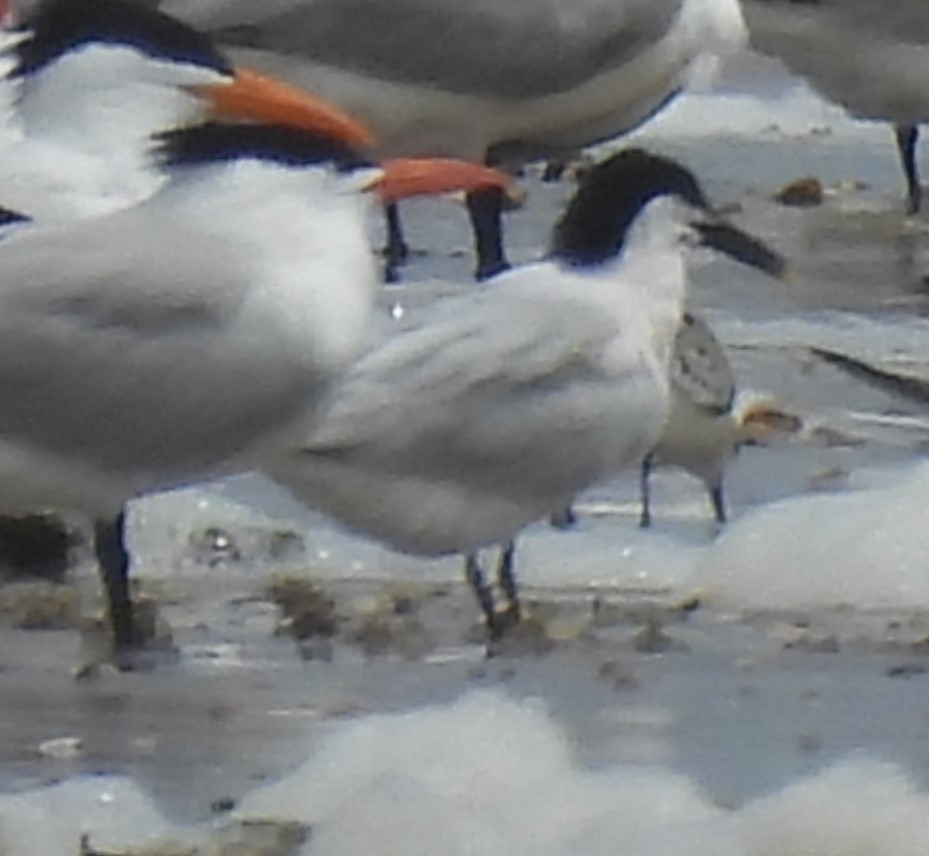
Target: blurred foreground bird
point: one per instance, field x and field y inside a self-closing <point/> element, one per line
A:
<point x="181" y="338"/>
<point x="90" y="82"/>
<point x="490" y="409"/>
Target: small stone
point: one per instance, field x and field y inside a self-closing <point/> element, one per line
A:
<point x="803" y="193"/>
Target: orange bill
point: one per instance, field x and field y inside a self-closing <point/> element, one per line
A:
<point x="260" y="98"/>
<point x="405" y="177"/>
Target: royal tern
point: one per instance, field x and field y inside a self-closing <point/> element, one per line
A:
<point x="494" y="80"/>
<point x="92" y="80"/>
<point x="871" y="58"/>
<point x="491" y="409"/>
<point x="180" y="338"/>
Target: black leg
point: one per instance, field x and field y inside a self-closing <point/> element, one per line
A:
<point x="907" y="137"/>
<point x="486" y="210"/>
<point x="564" y="519"/>
<point x="719" y="502"/>
<point x="113" y="557"/>
<point x="645" y="519"/>
<point x="506" y="579"/>
<point x="474" y="574"/>
<point x="396" y="251"/>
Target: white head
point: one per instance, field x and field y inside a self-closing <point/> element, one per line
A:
<point x="92" y="71"/>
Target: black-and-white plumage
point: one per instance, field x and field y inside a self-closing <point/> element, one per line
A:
<point x="492" y="408"/>
<point x="91" y="81"/>
<point x="177" y="339"/>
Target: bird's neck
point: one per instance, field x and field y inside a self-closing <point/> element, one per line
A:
<point x="652" y="263"/>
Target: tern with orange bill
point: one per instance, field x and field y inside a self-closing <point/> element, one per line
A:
<point x="90" y="81"/>
<point x="186" y="336"/>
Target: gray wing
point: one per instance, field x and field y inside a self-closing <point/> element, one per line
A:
<point x="700" y="368"/>
<point x="482" y="389"/>
<point x="119" y="348"/>
<point x="905" y="21"/>
<point x="506" y="49"/>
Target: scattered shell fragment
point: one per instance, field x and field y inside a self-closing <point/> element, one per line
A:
<point x="803" y="193"/>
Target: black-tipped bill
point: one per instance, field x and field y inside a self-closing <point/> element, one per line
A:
<point x="740" y="246"/>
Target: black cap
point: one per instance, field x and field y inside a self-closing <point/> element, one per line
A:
<point x="611" y="195"/>
<point x="59" y="26"/>
<point x="215" y="142"/>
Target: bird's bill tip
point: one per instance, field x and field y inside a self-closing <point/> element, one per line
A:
<point x="260" y="98"/>
<point x="405" y="177"/>
<point x="742" y="247"/>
